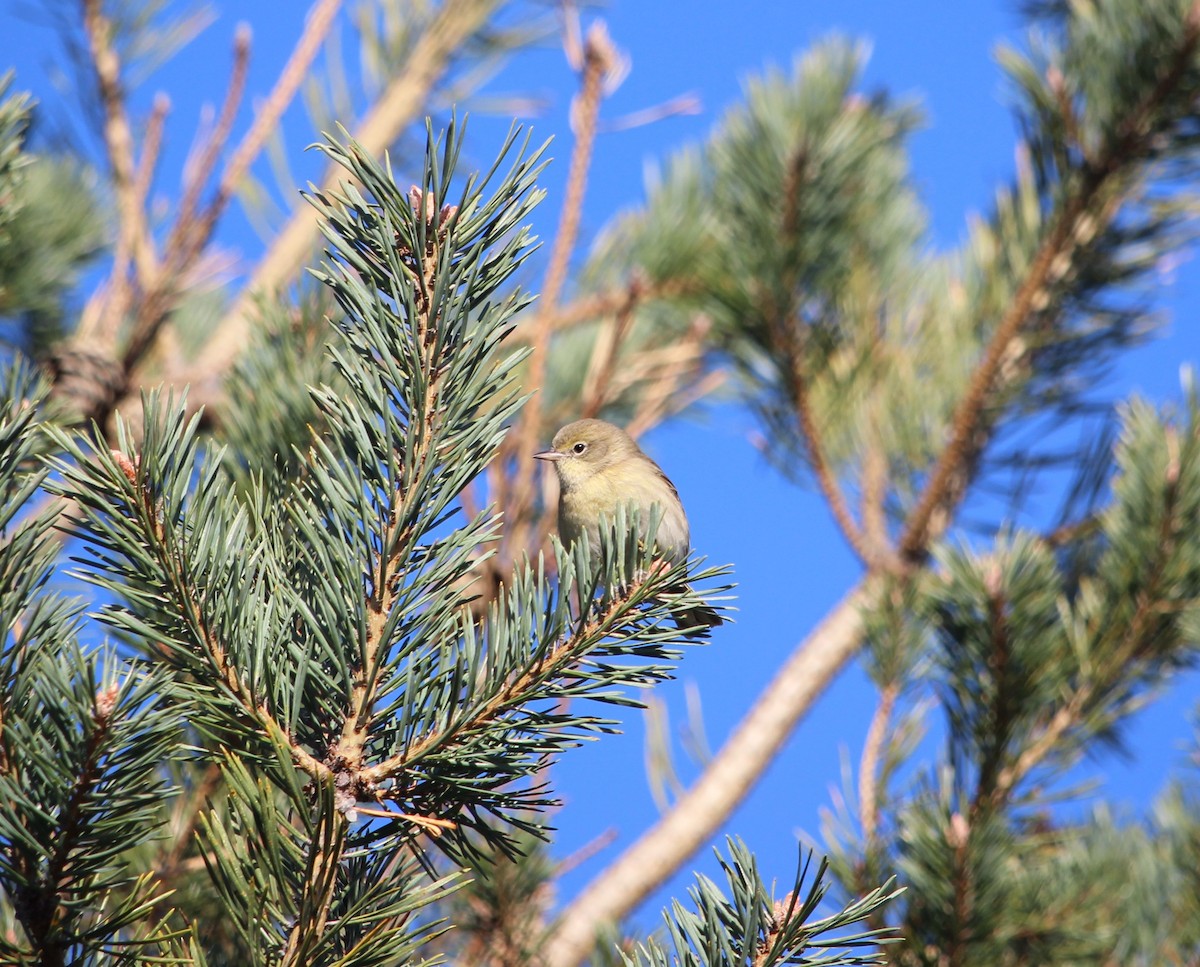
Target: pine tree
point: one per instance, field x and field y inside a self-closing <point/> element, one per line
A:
<point x="308" y="710"/>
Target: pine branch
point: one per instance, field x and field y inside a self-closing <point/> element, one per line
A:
<point x="750" y="927"/>
<point x="1083" y="215"/>
<point x="551" y="664"/>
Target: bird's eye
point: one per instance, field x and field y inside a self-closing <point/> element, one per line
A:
<point x="579" y="447"/>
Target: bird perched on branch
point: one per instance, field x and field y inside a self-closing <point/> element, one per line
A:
<point x="601" y="469"/>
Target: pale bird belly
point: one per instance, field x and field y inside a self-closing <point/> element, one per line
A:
<point x="582" y="512"/>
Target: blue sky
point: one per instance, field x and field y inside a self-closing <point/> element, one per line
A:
<point x="790" y="561"/>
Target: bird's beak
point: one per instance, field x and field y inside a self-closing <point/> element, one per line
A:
<point x="553" y="456"/>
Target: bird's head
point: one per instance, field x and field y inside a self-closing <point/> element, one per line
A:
<point x="582" y="449"/>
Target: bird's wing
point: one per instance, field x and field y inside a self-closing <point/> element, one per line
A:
<point x="674" y="535"/>
<point x="667" y="480"/>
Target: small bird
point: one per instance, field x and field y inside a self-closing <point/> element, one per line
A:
<point x="601" y="469"/>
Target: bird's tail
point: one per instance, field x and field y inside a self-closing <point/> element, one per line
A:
<point x="700" y="618"/>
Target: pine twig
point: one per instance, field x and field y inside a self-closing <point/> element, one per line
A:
<point x="554" y="661"/>
<point x="999" y="660"/>
<point x="788" y="334"/>
<point x="868" y="770"/>
<point x="873" y="557"/>
<point x="1129" y="649"/>
<point x="320" y="884"/>
<point x="958" y="835"/>
<point x="39" y="907"/>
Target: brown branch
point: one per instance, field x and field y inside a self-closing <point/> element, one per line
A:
<point x="147" y="263"/>
<point x="603" y="363"/>
<point x="187" y="235"/>
<point x="873" y="557"/>
<point x="133" y="233"/>
<point x="1066" y="716"/>
<point x="317" y="25"/>
<point x="788" y="334"/>
<point x="599" y="58"/>
<point x="868" y="770"/>
<point x="97" y="334"/>
<point x="598" y="305"/>
<point x="667" y="399"/>
<point x="403" y="99"/>
<point x="724" y="784"/>
<point x="194" y="229"/>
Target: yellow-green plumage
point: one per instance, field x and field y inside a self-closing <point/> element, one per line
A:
<point x="600" y="469"/>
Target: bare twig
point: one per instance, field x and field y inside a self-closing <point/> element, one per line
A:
<point x="133" y="233"/>
<point x="185" y="237"/>
<point x="317" y="26"/>
<point x="94" y="349"/>
<point x="868" y="770"/>
<point x="689" y="103"/>
<point x="599" y="57"/>
<point x="603" y="362"/>
<point x="593" y="847"/>
<point x="403" y="99"/>
<point x="147" y="263"/>
<point x="664" y="398"/>
<point x="589" y="307"/>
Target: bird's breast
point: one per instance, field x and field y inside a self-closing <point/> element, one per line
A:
<point x="583" y="506"/>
